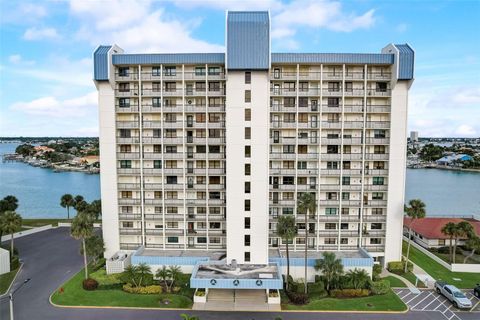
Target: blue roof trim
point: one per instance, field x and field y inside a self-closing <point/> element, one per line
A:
<point x="168" y="58"/>
<point x="405" y="62"/>
<point x="346" y="262"/>
<point x="100" y="63"/>
<point x="347" y="58"/>
<point x="248" y="40"/>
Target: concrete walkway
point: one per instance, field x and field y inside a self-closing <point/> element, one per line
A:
<point x="423" y="276"/>
<point x="410" y="286"/>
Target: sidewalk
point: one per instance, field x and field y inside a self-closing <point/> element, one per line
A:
<point x="410" y="286"/>
<point x="423" y="276"/>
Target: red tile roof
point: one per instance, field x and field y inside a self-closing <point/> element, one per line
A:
<point x="431" y="228"/>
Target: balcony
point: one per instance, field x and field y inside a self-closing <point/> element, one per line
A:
<point x="129" y="201"/>
<point x="377" y="140"/>
<point x="152" y="186"/>
<point x="350" y="218"/>
<point x="169" y="232"/>
<point x="173" y="186"/>
<point x="332" y="92"/>
<point x="129" y="140"/>
<point x="352" y="187"/>
<point x="129" y="216"/>
<point x="283" y="92"/>
<point x="376" y="156"/>
<point x="332" y="217"/>
<point x="148" y="108"/>
<point x="152" y="140"/>
<point x="153" y="217"/>
<point x="331" y="125"/>
<point x="283" y="125"/>
<point x="378" y="124"/>
<point x="349" y="233"/>
<point x="128" y="155"/>
<point x="152" y="171"/>
<point x="130" y="231"/>
<point x="307" y="156"/>
<point x="353" y="125"/>
<point x="128" y="186"/>
<point x="376" y="172"/>
<point x="372" y="187"/>
<point x="173" y="156"/>
<point x="354" y="93"/>
<point x="174" y="202"/>
<point x="374" y="218"/>
<point x="127" y="124"/>
<point x="330" y="172"/>
<point x="128" y="171"/>
<point x="352" y="156"/>
<point x="131" y="75"/>
<point x="129" y="246"/>
<point x="283" y="75"/>
<point x="379" y="75"/>
<point x="126" y="92"/>
<point x="378" y="109"/>
<point x="379" y="93"/>
<point x="158" y="201"/>
<point x="152" y="155"/>
<point x="375" y="233"/>
<point x="127" y="109"/>
<point x="328" y="233"/>
<point x="351" y="203"/>
<point x="353" y="109"/>
<point x="154" y="232"/>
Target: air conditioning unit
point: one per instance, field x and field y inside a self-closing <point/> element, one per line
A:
<point x="189" y="101"/>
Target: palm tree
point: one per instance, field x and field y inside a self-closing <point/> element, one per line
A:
<point x="10" y="223"/>
<point x="306" y="204"/>
<point x="464" y="229"/>
<point x="358" y="278"/>
<point x="81" y="229"/>
<point x="331" y="269"/>
<point x="287" y="230"/>
<point x="78" y="199"/>
<point x="472" y="243"/>
<point x="450" y="230"/>
<point x="414" y="210"/>
<point x="175" y="272"/>
<point x="131" y="273"/>
<point x="66" y="201"/>
<point x="163" y="274"/>
<point x="96" y="208"/>
<point x="185" y="316"/>
<point x="143" y="270"/>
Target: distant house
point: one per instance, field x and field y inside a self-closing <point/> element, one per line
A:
<point x="453" y="159"/>
<point x="89" y="160"/>
<point x="427" y="232"/>
<point x="39" y="150"/>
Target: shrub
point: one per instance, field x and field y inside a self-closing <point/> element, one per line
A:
<point x="297" y="298"/>
<point x="376" y="270"/>
<point x="152" y="289"/>
<point x="349" y="293"/>
<point x="273" y="293"/>
<point x="380" y="287"/>
<point x="106" y="279"/>
<point x="443" y="250"/>
<point x="318" y="278"/>
<point x="90" y="284"/>
<point x="200" y="293"/>
<point x="299" y="287"/>
<point x="317" y="288"/>
<point x="399" y="266"/>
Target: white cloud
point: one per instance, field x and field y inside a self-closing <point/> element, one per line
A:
<point x="229" y="4"/>
<point x="35" y="33"/>
<point x="137" y="26"/>
<point x="401" y="28"/>
<point x="466" y="131"/>
<point x="52" y="107"/>
<point x="467" y="96"/>
<point x="18" y="59"/>
<point x="22" y="13"/>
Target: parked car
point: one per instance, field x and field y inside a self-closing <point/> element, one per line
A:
<point x="452" y="293"/>
<point x="476" y="290"/>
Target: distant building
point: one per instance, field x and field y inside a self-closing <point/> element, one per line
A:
<point x="454" y="159"/>
<point x="39" y="150"/>
<point x="427" y="232"/>
<point x="89" y="160"/>
<point x="414" y="136"/>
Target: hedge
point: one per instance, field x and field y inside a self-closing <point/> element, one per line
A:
<point x="399" y="266"/>
<point x="349" y="293"/>
<point x="297" y="298"/>
<point x="153" y="289"/>
<point x="380" y="287"/>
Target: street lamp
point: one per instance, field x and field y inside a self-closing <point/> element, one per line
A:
<point x="11" y="297"/>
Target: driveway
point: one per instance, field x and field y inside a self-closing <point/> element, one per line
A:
<point x="51" y="257"/>
<point x="429" y="301"/>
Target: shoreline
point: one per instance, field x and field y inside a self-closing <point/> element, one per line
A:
<point x="48" y="165"/>
<point x="444" y="168"/>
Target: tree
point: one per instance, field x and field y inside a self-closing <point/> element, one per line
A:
<point x="414" y="210"/>
<point x="287" y="230"/>
<point x="82" y="229"/>
<point x="83" y="206"/>
<point x="331" y="269"/>
<point x="185" y="316"/>
<point x="130" y="273"/>
<point x="143" y="271"/>
<point x="450" y="230"/>
<point x="163" y="274"/>
<point x="463" y="230"/>
<point x="358" y="278"/>
<point x="78" y="199"/>
<point x="306" y="204"/>
<point x="175" y="272"/>
<point x="473" y="243"/>
<point x="8" y="203"/>
<point x="10" y="222"/>
<point x="95" y="248"/>
<point x="96" y="208"/>
<point x="67" y="201"/>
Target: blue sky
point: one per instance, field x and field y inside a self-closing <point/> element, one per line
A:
<point x="46" y="49"/>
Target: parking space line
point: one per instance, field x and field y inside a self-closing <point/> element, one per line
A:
<point x="436" y="298"/>
<point x="428" y="295"/>
<point x="441" y="304"/>
<point x="403" y="295"/>
<point x="416" y="296"/>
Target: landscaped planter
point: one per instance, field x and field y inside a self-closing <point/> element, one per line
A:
<point x="273" y="299"/>
<point x="199" y="299"/>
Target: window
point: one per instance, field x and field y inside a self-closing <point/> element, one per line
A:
<point x="172" y="239"/>
<point x="125" y="133"/>
<point x="289" y="102"/>
<point x="379" y="149"/>
<point x="303" y="102"/>
<point x="213" y="71"/>
<point x="157" y="133"/>
<point x="248" y="133"/>
<point x="158" y="210"/>
<point x="375" y="241"/>
<point x="346" y="181"/>
<point x="248" y="114"/>
<point x="171" y="179"/>
<point x="334" y="86"/>
<point x="170" y="71"/>
<point x="345" y="211"/>
<point x="124" y="87"/>
<point x="381" y="87"/>
<point x="378" y="181"/>
<point x="288" y="148"/>
<point x="248" y="96"/>
<point x="156" y="102"/>
<point x="247" y="186"/>
<point x="302" y="165"/>
<point x="123" y="71"/>
<point x="343" y="240"/>
<point x="248" y="77"/>
<point x="157" y="148"/>
<point x="377" y="196"/>
<point x="377" y="211"/>
<point x="202" y="240"/>
<point x="214" y="86"/>
<point x="215" y="225"/>
<point x="346" y="165"/>
<point x="157" y="164"/>
<point x="330" y="211"/>
<point x="248" y="151"/>
<point x="333" y="102"/>
<point x="156" y="71"/>
<point x="287" y="210"/>
<point x="126" y="194"/>
<point x="172" y="225"/>
<point x="247" y="169"/>
<point x="157" y="194"/>
<point x="169" y="86"/>
<point x="124" y="102"/>
<point x="247" y="223"/>
<point x="156" y="86"/>
<point x="344" y="226"/>
<point x="349" y="86"/>
<point x="345" y="195"/>
<point x="379" y="134"/>
<point x="199" y="71"/>
<point x="125" y="164"/>
<point x="246" y="240"/>
<point x="247" y="256"/>
<point x="289" y="86"/>
<point x="170" y="149"/>
<point x="247" y="205"/>
<point x="126" y="148"/>
<point x="330" y="240"/>
<point x="127" y="224"/>
<point x="127" y="209"/>
<point x="331" y="149"/>
<point x="332" y="165"/>
<point x="288" y="180"/>
<point x="347" y="149"/>
<point x="330" y="226"/>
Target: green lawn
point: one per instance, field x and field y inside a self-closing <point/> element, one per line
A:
<point x="394" y="282"/>
<point x="439" y="272"/>
<point x="74" y="295"/>
<point x="6" y="279"/>
<point x="458" y="258"/>
<point x="386" y="302"/>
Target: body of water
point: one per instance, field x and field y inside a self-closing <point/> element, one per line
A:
<point x="39" y="190"/>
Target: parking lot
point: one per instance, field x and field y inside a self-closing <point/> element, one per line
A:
<point x="429" y="300"/>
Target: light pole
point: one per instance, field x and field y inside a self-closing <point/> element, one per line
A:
<point x="11" y="297"/>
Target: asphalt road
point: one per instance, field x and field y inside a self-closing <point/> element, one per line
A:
<point x="51" y="257"/>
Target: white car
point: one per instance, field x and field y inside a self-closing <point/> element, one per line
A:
<point x="453" y="294"/>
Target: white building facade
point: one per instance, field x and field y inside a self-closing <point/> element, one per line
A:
<point x="201" y="153"/>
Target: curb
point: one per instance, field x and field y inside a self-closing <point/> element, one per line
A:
<point x="13" y="280"/>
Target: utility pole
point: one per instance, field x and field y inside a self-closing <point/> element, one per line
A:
<point x="11" y="297"/>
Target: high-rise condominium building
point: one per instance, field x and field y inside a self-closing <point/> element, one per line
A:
<point x="201" y="153"/>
